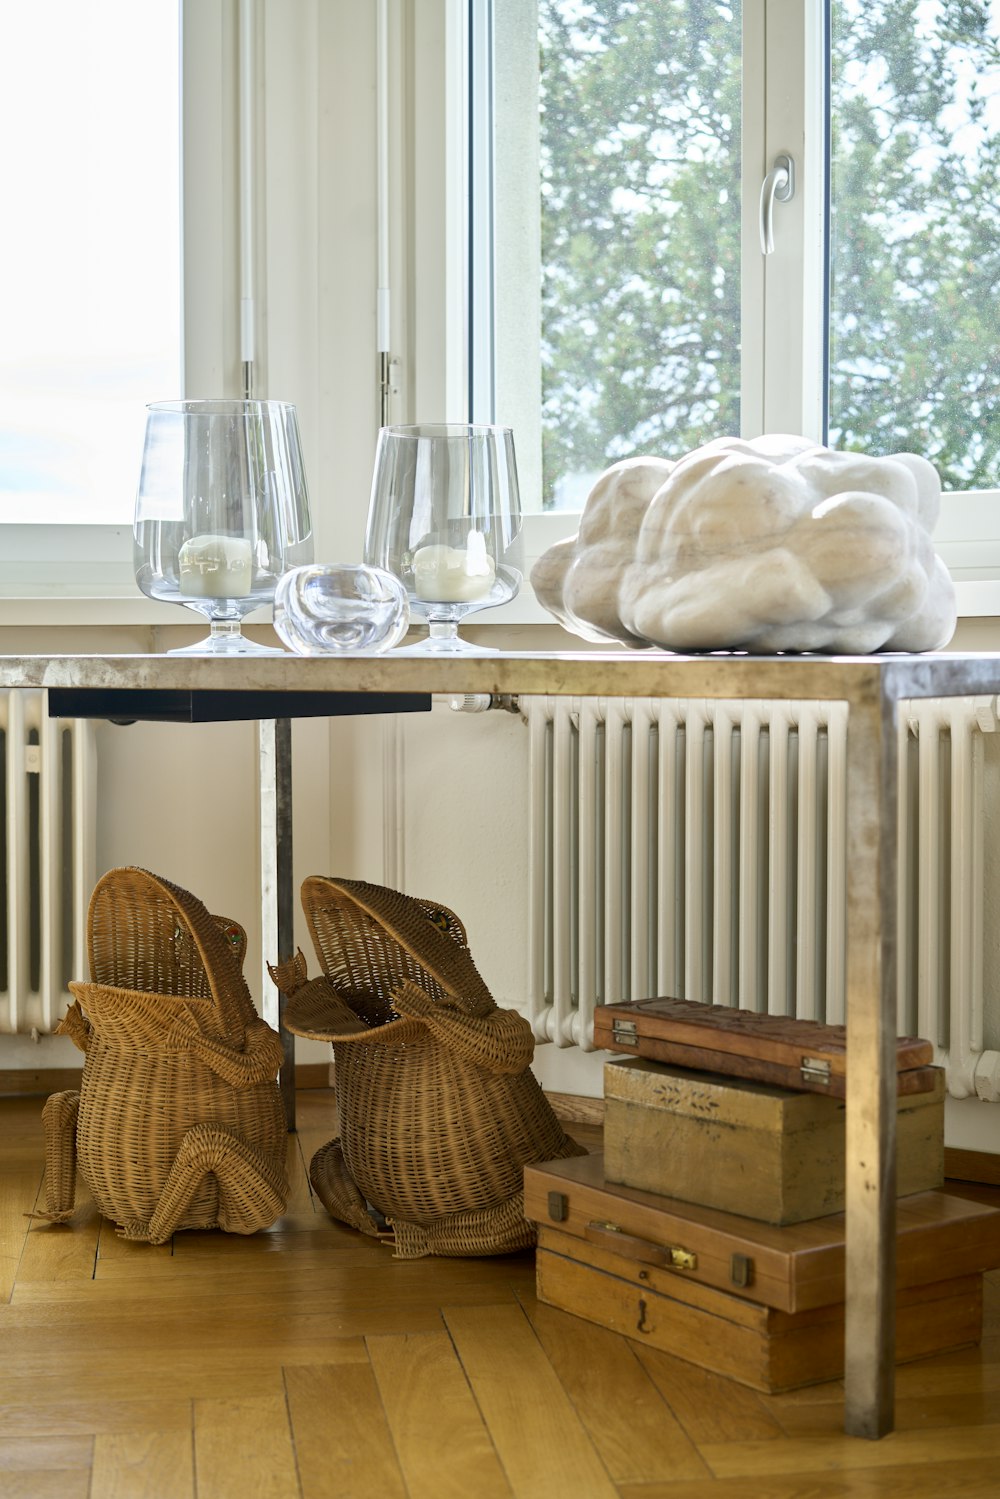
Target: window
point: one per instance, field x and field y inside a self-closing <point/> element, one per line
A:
<point x="90" y="288"/>
<point x="631" y="308"/>
<point x="116" y="268"/>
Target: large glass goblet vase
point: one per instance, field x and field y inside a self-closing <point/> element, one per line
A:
<point x="222" y="510"/>
<point x="445" y="519"/>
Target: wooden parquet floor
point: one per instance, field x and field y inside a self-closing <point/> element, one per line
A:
<point x="307" y="1362"/>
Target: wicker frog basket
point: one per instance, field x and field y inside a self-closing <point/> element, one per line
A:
<point x="178" y="1122"/>
<point x="439" y="1111"/>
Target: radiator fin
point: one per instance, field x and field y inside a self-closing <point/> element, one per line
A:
<point x="47" y="859"/>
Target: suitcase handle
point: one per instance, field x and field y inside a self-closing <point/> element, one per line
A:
<point x="610" y="1236"/>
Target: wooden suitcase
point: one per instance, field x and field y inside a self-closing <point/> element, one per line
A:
<point x="759" y="1304"/>
<point x="800" y="1054"/>
<point x="758" y="1346"/>
<point x="940" y="1237"/>
<point x="777" y="1154"/>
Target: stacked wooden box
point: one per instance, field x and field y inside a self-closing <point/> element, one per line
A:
<point x="713" y="1225"/>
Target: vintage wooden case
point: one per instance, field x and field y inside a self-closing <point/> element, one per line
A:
<point x="758" y="1346"/>
<point x="777" y="1154"/>
<point x="759" y="1304"/>
<point x="800" y="1054"/>
<point x="939" y="1237"/>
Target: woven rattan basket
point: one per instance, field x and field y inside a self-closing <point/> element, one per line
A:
<point x="178" y="1122"/>
<point x="439" y="1111"/>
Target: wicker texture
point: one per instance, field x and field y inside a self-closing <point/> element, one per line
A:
<point x="439" y="1111"/>
<point x="178" y="1122"/>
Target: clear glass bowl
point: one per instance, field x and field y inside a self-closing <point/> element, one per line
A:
<point x="340" y="606"/>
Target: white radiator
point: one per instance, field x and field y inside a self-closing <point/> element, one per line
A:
<point x="697" y="849"/>
<point x="48" y="860"/>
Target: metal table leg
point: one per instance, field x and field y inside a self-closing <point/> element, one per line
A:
<point x="274" y="745"/>
<point x="870" y="1321"/>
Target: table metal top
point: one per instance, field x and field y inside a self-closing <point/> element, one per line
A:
<point x="627" y="673"/>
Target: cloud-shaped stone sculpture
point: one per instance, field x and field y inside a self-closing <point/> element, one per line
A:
<point x="771" y="544"/>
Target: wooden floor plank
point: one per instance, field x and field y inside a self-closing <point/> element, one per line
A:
<point x="638" y="1437"/>
<point x="61" y="1484"/>
<point x="21" y="1183"/>
<point x="425" y="1392"/>
<point x="542" y="1443"/>
<point x="21" y="1453"/>
<point x="342" y="1439"/>
<point x="961" y="1480"/>
<point x="143" y="1465"/>
<point x="708" y="1407"/>
<point x="63" y="1251"/>
<point x="244" y="1447"/>
<point x="808" y="1454"/>
<point x="88" y="1417"/>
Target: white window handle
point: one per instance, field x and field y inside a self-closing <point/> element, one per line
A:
<point x="778" y="184"/>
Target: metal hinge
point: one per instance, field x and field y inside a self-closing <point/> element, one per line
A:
<point x="815" y="1070"/>
<point x="740" y="1269"/>
<point x="625" y="1032"/>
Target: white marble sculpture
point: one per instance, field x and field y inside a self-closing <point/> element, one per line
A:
<point x="772" y="544"/>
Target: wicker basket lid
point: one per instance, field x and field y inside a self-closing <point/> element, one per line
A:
<point x="152" y="938"/>
<point x="416" y="938"/>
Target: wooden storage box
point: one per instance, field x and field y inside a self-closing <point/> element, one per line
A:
<point x="794" y="1269"/>
<point x="759" y="1304"/>
<point x="746" y="1147"/>
<point x="755" y="1345"/>
<point x="792" y="1053"/>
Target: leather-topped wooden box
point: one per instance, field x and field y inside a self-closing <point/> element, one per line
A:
<point x="777" y="1154"/>
<point x="792" y="1053"/>
<point x="760" y="1304"/>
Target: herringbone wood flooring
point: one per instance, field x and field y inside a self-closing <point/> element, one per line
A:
<point x="306" y="1361"/>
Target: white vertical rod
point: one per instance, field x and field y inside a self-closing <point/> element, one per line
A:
<point x="562" y="873"/>
<point x="836" y="869"/>
<point x="51" y="914"/>
<point x="929" y="998"/>
<point x="751" y="903"/>
<point x="696" y="834"/>
<point x="966" y="1008"/>
<point x="642" y="979"/>
<point x="614" y="836"/>
<point x="17" y="867"/>
<point x="247" y="90"/>
<point x="723" y="868"/>
<point x="537" y="710"/>
<point x="383" y="328"/>
<point x="808" y="974"/>
<point x="779" y="892"/>
<point x="670" y="875"/>
<point x="587" y="913"/>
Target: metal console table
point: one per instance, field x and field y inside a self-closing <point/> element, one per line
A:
<point x="272" y="690"/>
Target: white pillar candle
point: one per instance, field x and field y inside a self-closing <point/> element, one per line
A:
<point x="215" y="567"/>
<point x="453" y="575"/>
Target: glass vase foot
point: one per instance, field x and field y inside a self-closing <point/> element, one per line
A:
<point x="226" y="639"/>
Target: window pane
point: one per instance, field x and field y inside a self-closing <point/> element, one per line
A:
<point x="637" y="194"/>
<point x="915" y="233"/>
<point x="90" y="325"/>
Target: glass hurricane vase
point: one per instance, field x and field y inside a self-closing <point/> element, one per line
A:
<point x="445" y="519"/>
<point x="222" y="511"/>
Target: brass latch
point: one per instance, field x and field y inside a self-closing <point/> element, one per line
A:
<point x="815" y="1070"/>
<point x="625" y="1033"/>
